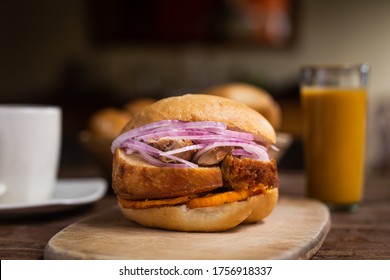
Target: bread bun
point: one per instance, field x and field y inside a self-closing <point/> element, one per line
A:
<point x="108" y="122"/>
<point x="134" y="179"/>
<point x="134" y="106"/>
<point x="255" y="97"/>
<point x="201" y="107"/>
<point x="207" y="219"/>
<point x="263" y="206"/>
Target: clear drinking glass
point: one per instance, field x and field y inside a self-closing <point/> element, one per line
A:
<point x="333" y="100"/>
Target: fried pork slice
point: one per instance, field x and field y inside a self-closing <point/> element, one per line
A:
<point x="133" y="178"/>
<point x="247" y="173"/>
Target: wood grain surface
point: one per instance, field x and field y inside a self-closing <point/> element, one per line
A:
<point x="353" y="236"/>
<point x="295" y="230"/>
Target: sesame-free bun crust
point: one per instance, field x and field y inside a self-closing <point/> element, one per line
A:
<point x="203" y="107"/>
<point x="207" y="219"/>
<point x="253" y="96"/>
<point x="134" y="106"/>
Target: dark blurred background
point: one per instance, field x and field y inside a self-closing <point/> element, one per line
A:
<point x="86" y="55"/>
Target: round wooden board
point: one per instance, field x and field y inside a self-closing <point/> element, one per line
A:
<point x="295" y="230"/>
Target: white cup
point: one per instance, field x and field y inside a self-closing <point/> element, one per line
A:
<point x="30" y="140"/>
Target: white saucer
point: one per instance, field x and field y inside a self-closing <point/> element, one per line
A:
<point x="68" y="193"/>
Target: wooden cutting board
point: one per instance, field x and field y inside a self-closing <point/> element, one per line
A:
<point x="295" y="230"/>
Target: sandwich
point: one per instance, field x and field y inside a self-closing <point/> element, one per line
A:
<point x="195" y="163"/>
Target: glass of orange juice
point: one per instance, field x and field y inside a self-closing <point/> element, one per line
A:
<point x="333" y="99"/>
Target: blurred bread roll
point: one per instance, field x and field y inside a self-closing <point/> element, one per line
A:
<point x="134" y="106"/>
<point x="252" y="96"/>
<point x="108" y="122"/>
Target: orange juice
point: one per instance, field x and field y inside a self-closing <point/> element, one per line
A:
<point x="334" y="139"/>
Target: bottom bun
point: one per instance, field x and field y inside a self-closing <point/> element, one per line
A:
<point x="206" y="219"/>
<point x="263" y="206"/>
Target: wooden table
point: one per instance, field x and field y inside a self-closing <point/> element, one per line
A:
<point x="361" y="235"/>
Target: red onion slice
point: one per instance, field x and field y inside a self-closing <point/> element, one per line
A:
<point x="237" y="134"/>
<point x="158" y="162"/>
<point x="205" y="136"/>
<point x="184" y="149"/>
<point x="186" y="162"/>
<point x="241" y="152"/>
<point x="199" y="125"/>
<point x="144" y="148"/>
<point x="140" y="147"/>
<point x="182" y="134"/>
<point x="137" y="131"/>
<point x="255" y="150"/>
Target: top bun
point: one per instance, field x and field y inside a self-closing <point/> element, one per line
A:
<point x="255" y="97"/>
<point x="200" y="107"/>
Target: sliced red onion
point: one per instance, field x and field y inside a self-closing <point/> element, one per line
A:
<point x="273" y="147"/>
<point x="140" y="146"/>
<point x="191" y="126"/>
<point x="137" y="131"/>
<point x="158" y="162"/>
<point x="241" y="152"/>
<point x="236" y="134"/>
<point x="210" y="138"/>
<point x="258" y="151"/>
<point x="253" y="149"/>
<point x="205" y="136"/>
<point x="184" y="149"/>
<point x="200" y="125"/>
<point x="128" y="151"/>
<point x="186" y="162"/>
<point x="164" y="126"/>
<point x="182" y="134"/>
<point x="144" y="148"/>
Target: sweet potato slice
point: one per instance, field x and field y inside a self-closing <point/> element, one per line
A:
<point x="223" y="198"/>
